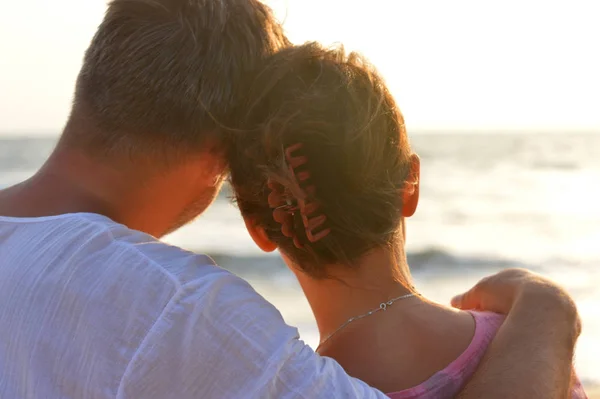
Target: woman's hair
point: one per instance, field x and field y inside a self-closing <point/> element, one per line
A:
<point x="348" y="139"/>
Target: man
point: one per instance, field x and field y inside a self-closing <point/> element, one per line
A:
<point x="94" y="307"/>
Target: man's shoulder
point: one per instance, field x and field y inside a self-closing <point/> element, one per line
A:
<point x="122" y="257"/>
<point x="197" y="282"/>
<point x="148" y="253"/>
<point x="94" y="240"/>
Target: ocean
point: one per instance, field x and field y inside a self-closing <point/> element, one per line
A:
<point x="488" y="201"/>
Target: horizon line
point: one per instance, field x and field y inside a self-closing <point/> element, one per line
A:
<point x="415" y="131"/>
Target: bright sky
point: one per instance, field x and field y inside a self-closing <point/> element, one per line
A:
<point x="453" y="65"/>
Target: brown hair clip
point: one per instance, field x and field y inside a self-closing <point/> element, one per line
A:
<point x="286" y="204"/>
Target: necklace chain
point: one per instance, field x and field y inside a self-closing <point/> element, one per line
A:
<point x="382" y="306"/>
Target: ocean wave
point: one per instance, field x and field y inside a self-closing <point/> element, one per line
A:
<point x="555" y="165"/>
<point x="432" y="259"/>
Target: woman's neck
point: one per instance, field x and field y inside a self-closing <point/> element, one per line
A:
<point x="355" y="290"/>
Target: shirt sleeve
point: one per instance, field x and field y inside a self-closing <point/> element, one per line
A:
<point x="221" y="339"/>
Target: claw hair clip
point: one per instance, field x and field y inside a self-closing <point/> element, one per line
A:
<point x="286" y="204"/>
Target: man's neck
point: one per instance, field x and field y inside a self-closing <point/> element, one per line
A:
<point x="57" y="188"/>
<point x="355" y="290"/>
<point x="71" y="182"/>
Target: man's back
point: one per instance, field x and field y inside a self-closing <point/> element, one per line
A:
<point x="89" y="310"/>
<point x="76" y="302"/>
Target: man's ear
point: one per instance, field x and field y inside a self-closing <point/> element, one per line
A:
<point x="259" y="236"/>
<point x="410" y="192"/>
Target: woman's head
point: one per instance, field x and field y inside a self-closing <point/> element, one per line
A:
<point x="326" y="172"/>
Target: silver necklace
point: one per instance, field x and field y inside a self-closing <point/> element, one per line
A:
<point x="382" y="306"/>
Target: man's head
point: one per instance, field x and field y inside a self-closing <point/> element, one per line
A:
<point x="161" y="81"/>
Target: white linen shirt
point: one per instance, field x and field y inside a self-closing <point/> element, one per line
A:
<point x="92" y="309"/>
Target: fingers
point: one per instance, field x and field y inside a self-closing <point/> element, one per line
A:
<point x="457" y="301"/>
<point x="500" y="293"/>
<point x="473" y="299"/>
<point x="496" y="293"/>
<point x="467" y="300"/>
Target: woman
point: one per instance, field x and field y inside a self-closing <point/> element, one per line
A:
<point x="327" y="176"/>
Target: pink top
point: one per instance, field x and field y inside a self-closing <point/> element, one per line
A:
<point x="448" y="382"/>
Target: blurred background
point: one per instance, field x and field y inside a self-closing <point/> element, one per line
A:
<point x="501" y="100"/>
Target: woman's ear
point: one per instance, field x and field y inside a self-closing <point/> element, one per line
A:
<point x="410" y="193"/>
<point x="259" y="236"/>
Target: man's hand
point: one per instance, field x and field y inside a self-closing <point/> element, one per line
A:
<point x="500" y="292"/>
<point x="532" y="353"/>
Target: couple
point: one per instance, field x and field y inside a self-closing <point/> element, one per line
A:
<point x="173" y="97"/>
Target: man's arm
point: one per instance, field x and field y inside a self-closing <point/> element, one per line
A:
<point x="219" y="339"/>
<point x="531" y="355"/>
